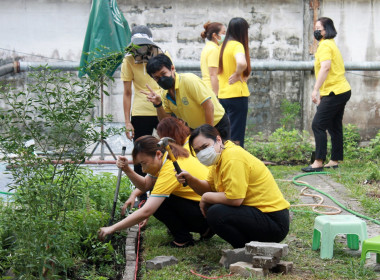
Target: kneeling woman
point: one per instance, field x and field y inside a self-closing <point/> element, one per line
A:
<point x="171" y="203"/>
<point x="240" y="197"/>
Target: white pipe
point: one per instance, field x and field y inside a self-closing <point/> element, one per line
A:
<point x="256" y="65"/>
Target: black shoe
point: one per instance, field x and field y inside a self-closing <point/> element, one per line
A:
<point x="332" y="166"/>
<point x="311" y="169"/>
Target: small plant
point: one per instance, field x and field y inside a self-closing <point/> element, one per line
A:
<point x="290" y="111"/>
<point x="351" y="139"/>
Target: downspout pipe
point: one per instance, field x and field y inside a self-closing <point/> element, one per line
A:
<point x="256" y="65"/>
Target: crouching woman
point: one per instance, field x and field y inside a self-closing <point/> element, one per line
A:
<point x="171" y="203"/>
<point x="240" y="197"/>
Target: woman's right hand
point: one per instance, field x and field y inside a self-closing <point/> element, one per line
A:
<point x="129" y="131"/>
<point x="183" y="176"/>
<point x="122" y="163"/>
<point x="315" y="97"/>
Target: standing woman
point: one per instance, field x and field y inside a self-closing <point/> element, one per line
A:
<point x="214" y="33"/>
<point x="233" y="72"/>
<point x="334" y="92"/>
<point x="240" y="198"/>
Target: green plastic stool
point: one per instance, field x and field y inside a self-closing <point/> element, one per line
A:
<point x="327" y="227"/>
<point x="371" y="245"/>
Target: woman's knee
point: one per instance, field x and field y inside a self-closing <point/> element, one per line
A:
<point x="215" y="213"/>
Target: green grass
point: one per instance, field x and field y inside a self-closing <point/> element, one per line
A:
<point x="204" y="256"/>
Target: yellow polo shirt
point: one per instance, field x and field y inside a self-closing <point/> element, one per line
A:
<point x="167" y="184"/>
<point x="130" y="71"/>
<point x="241" y="175"/>
<point x="335" y="81"/>
<point x="209" y="58"/>
<point x="190" y="93"/>
<point x="238" y="89"/>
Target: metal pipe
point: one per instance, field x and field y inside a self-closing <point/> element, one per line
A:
<point x="257" y="65"/>
<point x="6" y="69"/>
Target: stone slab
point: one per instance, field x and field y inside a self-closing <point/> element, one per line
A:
<point x="246" y="269"/>
<point x="233" y="256"/>
<point x="160" y="262"/>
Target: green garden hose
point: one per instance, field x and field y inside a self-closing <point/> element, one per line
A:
<point x="329" y="196"/>
<point x="7" y="193"/>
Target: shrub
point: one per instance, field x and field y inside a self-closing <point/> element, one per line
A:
<point x="282" y="146"/>
<point x="52" y="196"/>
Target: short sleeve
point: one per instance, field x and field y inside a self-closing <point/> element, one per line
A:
<point x="235" y="179"/>
<point x="238" y="48"/>
<point x="213" y="58"/>
<point x="126" y="73"/>
<point x="325" y="52"/>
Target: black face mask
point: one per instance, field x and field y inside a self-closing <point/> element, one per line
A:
<point x="317" y="35"/>
<point x="166" y="82"/>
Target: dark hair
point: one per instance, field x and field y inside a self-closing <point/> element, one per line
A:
<point x="328" y="26"/>
<point x="237" y="30"/>
<point x="157" y="62"/>
<point x="148" y="145"/>
<point x="206" y="130"/>
<point x="173" y="128"/>
<point x="211" y="28"/>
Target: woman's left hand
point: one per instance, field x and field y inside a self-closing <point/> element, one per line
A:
<point x="234" y="78"/>
<point x="204" y="206"/>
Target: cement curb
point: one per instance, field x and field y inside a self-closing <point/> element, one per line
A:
<point x="130" y="253"/>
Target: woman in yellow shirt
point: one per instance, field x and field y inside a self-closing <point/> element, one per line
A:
<point x="171" y="203"/>
<point x="240" y="197"/>
<point x="214" y="33"/>
<point x="331" y="93"/>
<point x="234" y="70"/>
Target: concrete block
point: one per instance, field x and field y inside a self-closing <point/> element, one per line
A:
<point x="283" y="267"/>
<point x="269" y="249"/>
<point x="129" y="272"/>
<point x="264" y="262"/>
<point x="233" y="256"/>
<point x="132" y="234"/>
<point x="130" y="242"/>
<point x="245" y="269"/>
<point x="130" y="255"/>
<point x="160" y="262"/>
<point x="135" y="228"/>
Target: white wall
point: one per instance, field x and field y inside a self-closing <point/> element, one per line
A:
<point x="280" y="30"/>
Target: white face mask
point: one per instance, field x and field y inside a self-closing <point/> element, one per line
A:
<point x="208" y="156"/>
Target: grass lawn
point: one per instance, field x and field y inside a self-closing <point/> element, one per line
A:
<point x="204" y="256"/>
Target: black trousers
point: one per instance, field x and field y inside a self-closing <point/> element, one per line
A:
<point x="237" y="110"/>
<point x="329" y="117"/>
<point x="243" y="224"/>
<point x="181" y="216"/>
<point x="143" y="125"/>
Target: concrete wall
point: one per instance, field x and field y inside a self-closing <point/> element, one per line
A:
<point x="279" y="30"/>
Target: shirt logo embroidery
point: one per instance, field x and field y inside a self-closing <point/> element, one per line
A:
<point x="185" y="101"/>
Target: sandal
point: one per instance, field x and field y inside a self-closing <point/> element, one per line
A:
<point x="174" y="245"/>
